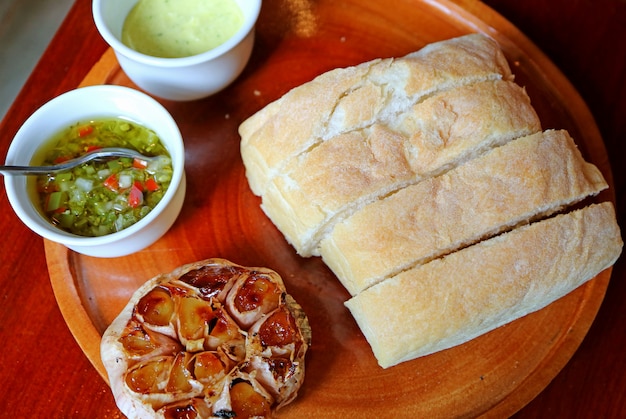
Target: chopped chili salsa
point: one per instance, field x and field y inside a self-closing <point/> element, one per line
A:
<point x="103" y="197"/>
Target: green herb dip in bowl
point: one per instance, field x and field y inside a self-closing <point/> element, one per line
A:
<point x="104" y="216"/>
<point x="103" y="197"/>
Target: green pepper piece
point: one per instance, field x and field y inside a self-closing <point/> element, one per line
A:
<point x="63" y="177"/>
<point x="56" y="200"/>
<point x="65" y="220"/>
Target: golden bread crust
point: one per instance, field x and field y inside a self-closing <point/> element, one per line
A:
<point x="346" y="99"/>
<point x="456" y="298"/>
<point x="485" y="196"/>
<point x="342" y="174"/>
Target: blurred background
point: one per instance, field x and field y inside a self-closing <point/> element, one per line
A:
<point x="26" y="28"/>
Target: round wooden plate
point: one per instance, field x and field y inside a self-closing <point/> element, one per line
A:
<point x="493" y="375"/>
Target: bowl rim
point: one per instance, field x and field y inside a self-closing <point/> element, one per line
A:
<point x="252" y="6"/>
<point x="40" y="224"/>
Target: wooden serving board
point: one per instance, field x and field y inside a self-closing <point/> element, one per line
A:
<point x="493" y="375"/>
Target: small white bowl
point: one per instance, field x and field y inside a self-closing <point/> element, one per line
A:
<point x="179" y="79"/>
<point x="80" y="105"/>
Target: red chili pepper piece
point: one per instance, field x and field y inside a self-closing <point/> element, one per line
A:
<point x="61" y="159"/>
<point x="85" y="130"/>
<point x="135" y="197"/>
<point x="111" y="183"/>
<point x="151" y="185"/>
<point x="92" y="148"/>
<point x="138" y="185"/>
<point x="140" y="164"/>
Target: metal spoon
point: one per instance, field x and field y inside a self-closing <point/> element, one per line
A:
<point x="98" y="154"/>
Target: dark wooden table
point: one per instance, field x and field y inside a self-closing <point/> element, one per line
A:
<point x="43" y="372"/>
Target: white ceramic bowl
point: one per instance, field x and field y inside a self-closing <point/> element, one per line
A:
<point x="83" y="104"/>
<point x="180" y="79"/>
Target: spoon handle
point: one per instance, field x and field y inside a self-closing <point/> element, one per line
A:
<point x="98" y="154"/>
<point x="26" y="170"/>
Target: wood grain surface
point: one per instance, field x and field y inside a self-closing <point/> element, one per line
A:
<point x="43" y="359"/>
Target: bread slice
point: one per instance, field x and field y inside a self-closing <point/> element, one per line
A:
<point x="353" y="98"/>
<point x="454" y="299"/>
<point x="525" y="179"/>
<point x="341" y="175"/>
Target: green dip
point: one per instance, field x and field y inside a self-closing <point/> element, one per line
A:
<point x="102" y="197"/>
<point x="180" y="28"/>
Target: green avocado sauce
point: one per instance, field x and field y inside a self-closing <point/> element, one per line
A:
<point x="102" y="197"/>
<point x="180" y="28"/>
